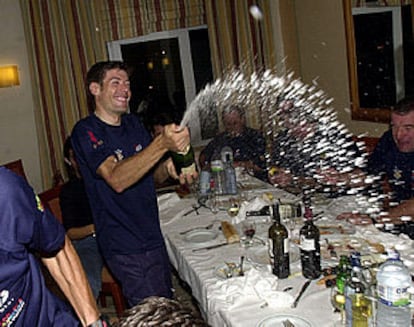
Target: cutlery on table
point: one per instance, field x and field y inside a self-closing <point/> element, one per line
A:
<point x="195" y="208"/>
<point x="211" y="247"/>
<point x="195" y="228"/>
<point x="302" y="290"/>
<point x="241" y="273"/>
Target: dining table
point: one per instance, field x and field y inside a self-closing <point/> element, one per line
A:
<point x="198" y="250"/>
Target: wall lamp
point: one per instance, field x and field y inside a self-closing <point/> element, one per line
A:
<point x="9" y="76"/>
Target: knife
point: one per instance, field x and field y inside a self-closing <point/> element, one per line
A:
<point x="302" y="290"/>
<point x="210" y="247"/>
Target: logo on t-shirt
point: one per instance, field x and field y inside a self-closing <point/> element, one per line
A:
<point x="10" y="309"/>
<point x="94" y="140"/>
<point x="4" y="295"/>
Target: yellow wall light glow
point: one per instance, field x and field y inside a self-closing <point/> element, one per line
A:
<point x="9" y="76"/>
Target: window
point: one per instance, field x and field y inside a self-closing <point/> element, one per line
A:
<point x="172" y="66"/>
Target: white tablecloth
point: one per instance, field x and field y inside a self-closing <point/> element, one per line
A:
<point x="198" y="269"/>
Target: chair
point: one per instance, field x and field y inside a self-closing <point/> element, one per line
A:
<point x="109" y="287"/>
<point x="16" y="167"/>
<point x="370" y="142"/>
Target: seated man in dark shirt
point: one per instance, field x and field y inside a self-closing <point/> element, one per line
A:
<point x="78" y="221"/>
<point x="248" y="144"/>
<point x="393" y="158"/>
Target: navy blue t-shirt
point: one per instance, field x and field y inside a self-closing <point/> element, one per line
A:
<point x="397" y="166"/>
<point x="126" y="222"/>
<point x="26" y="227"/>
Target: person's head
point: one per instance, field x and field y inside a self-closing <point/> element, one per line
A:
<point x="160" y="311"/>
<point x="71" y="164"/>
<point x="234" y="120"/>
<point x="402" y="125"/>
<point x="158" y="121"/>
<point x="108" y="87"/>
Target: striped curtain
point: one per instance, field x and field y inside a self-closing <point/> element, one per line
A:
<point x="65" y="37"/>
<point x="239" y="41"/>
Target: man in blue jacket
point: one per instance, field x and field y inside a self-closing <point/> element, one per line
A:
<point x="27" y="228"/>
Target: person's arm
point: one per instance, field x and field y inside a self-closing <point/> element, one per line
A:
<point x="405" y="208"/>
<point x="122" y="174"/>
<point x="66" y="268"/>
<point x="77" y="233"/>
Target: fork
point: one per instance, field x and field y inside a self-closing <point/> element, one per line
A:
<point x="199" y="227"/>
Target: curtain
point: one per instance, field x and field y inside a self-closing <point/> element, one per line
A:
<point x="65" y="37"/>
<point x="239" y="41"/>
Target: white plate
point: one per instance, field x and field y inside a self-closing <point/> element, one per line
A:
<point x="231" y="267"/>
<point x="261" y="255"/>
<point x="277" y="320"/>
<point x="200" y="236"/>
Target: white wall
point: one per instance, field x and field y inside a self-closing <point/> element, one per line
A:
<point x="17" y="125"/>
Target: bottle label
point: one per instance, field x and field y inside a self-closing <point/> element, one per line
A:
<point x="286" y="245"/>
<point x="307" y="244"/>
<point x="189" y="170"/>
<point x="393" y="296"/>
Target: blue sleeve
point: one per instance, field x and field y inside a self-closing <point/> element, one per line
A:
<point x="23" y="220"/>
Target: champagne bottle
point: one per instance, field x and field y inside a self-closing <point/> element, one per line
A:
<point x="310" y="251"/>
<point x="184" y="162"/>
<point x="279" y="244"/>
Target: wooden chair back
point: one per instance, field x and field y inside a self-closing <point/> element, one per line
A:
<point x="50" y="199"/>
<point x="16" y="167"/>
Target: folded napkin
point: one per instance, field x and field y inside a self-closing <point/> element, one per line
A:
<point x="255" y="287"/>
<point x="255" y="204"/>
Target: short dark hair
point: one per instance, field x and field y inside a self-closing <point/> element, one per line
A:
<point x="96" y="74"/>
<point x="404" y="106"/>
<point x="232" y="108"/>
<point x="67" y="148"/>
<point x="160" y="311"/>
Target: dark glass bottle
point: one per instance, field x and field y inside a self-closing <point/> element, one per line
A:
<point x="278" y="236"/>
<point x="310" y="251"/>
<point x="184" y="162"/>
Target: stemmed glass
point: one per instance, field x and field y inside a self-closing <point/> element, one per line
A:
<point x="338" y="302"/>
<point x="248" y="229"/>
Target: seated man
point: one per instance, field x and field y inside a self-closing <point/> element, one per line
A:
<point x="160" y="311"/>
<point x="248" y="145"/>
<point x="26" y="228"/>
<point x="78" y="220"/>
<point x="393" y="159"/>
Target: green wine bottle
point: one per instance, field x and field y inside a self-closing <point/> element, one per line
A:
<point x="184" y="162"/>
<point x="278" y="237"/>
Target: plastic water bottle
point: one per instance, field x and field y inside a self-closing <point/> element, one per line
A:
<point x="230" y="176"/>
<point x="204" y="180"/>
<point x="393" y="282"/>
<point x="217" y="172"/>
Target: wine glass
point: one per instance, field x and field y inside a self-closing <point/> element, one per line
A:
<point x="248" y="229"/>
<point x="338" y="302"/>
<point x="233" y="207"/>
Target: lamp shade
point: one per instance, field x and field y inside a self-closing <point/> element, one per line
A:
<point x="9" y="76"/>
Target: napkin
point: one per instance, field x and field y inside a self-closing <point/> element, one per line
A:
<point x="255" y="204"/>
<point x="255" y="287"/>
